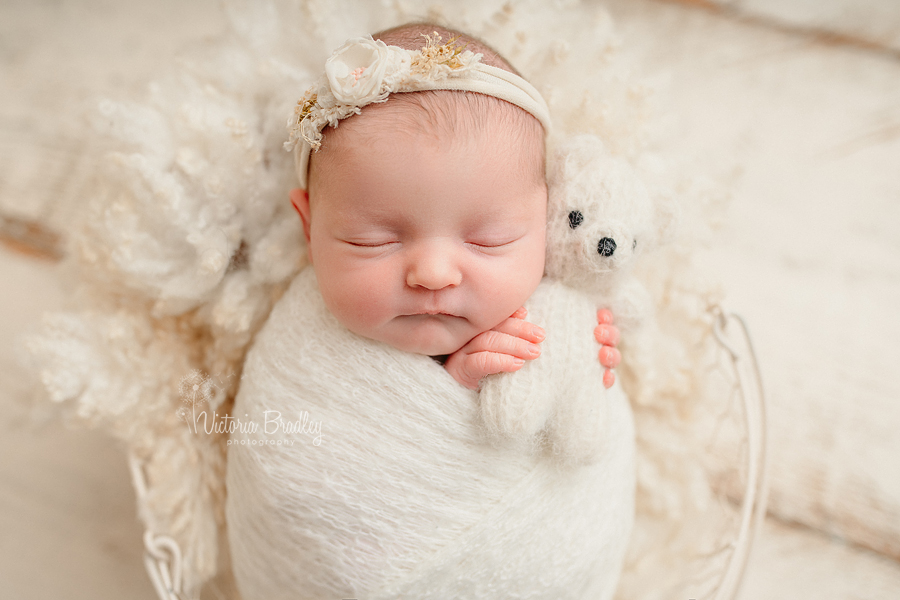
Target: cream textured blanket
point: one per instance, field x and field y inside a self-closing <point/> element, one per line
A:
<point x="371" y="475"/>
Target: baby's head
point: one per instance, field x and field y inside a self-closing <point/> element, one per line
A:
<point x="426" y="214"/>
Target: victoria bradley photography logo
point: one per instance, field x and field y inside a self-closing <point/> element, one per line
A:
<point x="197" y="389"/>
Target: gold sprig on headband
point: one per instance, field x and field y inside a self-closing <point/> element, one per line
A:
<point x="435" y="55"/>
<point x="305" y="106"/>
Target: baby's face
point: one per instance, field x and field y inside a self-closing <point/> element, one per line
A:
<point x="425" y="244"/>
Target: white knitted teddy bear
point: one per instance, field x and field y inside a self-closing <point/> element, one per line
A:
<point x="599" y="214"/>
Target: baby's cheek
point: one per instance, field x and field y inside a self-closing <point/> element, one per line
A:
<point x="509" y="286"/>
<point x="358" y="297"/>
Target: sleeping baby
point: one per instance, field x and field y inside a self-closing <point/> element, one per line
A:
<point x="425" y="218"/>
<point x="425" y="215"/>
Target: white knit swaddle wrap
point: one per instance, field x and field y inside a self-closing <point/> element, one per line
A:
<point x="405" y="496"/>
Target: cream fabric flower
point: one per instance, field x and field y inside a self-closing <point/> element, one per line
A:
<point x="362" y="70"/>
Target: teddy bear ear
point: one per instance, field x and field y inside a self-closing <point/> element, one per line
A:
<point x="571" y="153"/>
<point x="569" y="157"/>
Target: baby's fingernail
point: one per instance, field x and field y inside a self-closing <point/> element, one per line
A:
<point x="534" y="350"/>
<point x="602" y="335"/>
<point x="518" y="362"/>
<point x="538" y="332"/>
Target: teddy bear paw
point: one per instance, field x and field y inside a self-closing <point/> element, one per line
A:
<point x="511" y="410"/>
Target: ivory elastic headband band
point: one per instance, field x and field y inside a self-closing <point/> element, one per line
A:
<point x="363" y="71"/>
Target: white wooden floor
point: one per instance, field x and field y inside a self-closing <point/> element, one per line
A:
<point x="805" y="134"/>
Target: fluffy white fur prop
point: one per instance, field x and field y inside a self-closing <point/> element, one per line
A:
<point x="406" y="495"/>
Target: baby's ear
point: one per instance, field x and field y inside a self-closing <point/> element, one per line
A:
<point x="300" y="200"/>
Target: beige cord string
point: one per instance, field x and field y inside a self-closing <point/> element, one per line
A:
<point x="162" y="556"/>
<point x="753" y="507"/>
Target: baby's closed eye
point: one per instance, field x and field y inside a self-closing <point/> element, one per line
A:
<point x="375" y="247"/>
<point x="489" y="241"/>
<point x="371" y="243"/>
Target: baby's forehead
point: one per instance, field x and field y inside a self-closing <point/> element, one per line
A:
<point x="429" y="188"/>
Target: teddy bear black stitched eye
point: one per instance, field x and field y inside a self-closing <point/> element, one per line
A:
<point x="575" y="218"/>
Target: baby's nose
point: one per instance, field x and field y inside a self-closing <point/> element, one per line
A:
<point x="433" y="270"/>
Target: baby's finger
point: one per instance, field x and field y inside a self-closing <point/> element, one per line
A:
<point x="609" y="378"/>
<point x="608" y="335"/>
<point x="520" y="313"/>
<point x="605" y="316"/>
<point x="503" y="343"/>
<point x="609" y="357"/>
<point x="481" y="364"/>
<point x="522" y="329"/>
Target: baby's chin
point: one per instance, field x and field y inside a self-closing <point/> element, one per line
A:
<point x="431" y="335"/>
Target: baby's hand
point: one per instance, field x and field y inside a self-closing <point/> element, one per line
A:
<point x="608" y="335"/>
<point x="503" y="349"/>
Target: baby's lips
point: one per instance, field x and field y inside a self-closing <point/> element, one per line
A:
<point x="432" y="312"/>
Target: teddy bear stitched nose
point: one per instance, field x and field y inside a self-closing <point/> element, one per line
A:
<point x="606" y="246"/>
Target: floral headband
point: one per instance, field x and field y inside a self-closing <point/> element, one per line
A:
<point x="364" y="71"/>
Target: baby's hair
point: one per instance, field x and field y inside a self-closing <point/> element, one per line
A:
<point x="445" y="114"/>
<point x="411" y="37"/>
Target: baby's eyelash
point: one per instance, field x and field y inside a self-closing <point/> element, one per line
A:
<point x="497" y="242"/>
<point x="370" y="244"/>
<point x="491" y="244"/>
